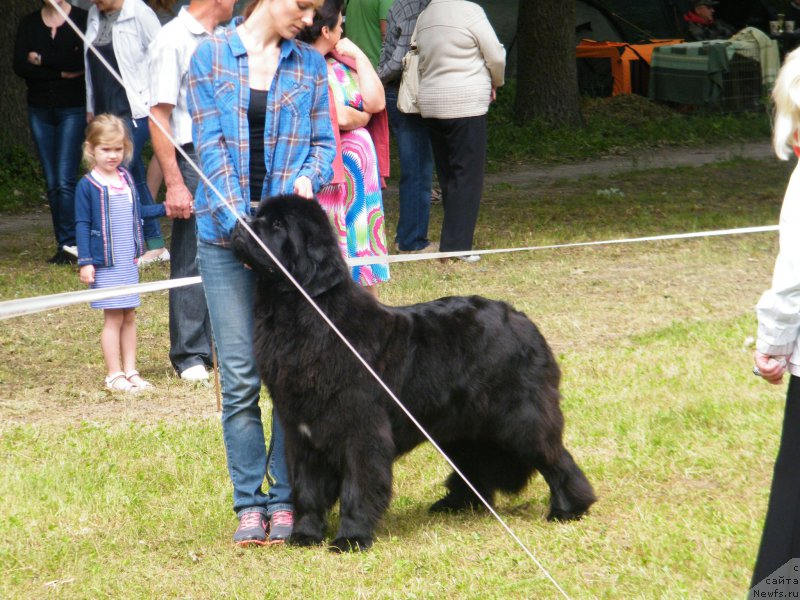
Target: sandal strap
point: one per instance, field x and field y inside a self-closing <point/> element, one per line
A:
<point x="118" y="381"/>
<point x="130" y="374"/>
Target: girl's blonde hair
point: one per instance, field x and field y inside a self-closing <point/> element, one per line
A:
<point x="105" y="129"/>
<point x="786" y="96"/>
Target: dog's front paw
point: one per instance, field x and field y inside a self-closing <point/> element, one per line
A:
<point x="351" y="544"/>
<point x="303" y="539"/>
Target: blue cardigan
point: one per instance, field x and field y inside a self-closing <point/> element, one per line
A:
<point x="93" y="221"/>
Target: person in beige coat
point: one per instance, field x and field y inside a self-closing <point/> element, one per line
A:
<point x="462" y="63"/>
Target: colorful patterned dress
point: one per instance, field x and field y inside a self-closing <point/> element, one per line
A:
<point x="355" y="207"/>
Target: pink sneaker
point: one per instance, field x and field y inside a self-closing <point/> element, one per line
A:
<point x="252" y="530"/>
<point x="280" y="526"/>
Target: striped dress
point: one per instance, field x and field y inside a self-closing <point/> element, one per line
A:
<point x="124" y="270"/>
<point x="355" y="208"/>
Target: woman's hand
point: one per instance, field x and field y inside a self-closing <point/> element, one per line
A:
<point x="35" y="58"/>
<point x="303" y="187"/>
<point x="346" y="47"/>
<point x="771" y="368"/>
<point x="350" y="118"/>
<point x="87" y="274"/>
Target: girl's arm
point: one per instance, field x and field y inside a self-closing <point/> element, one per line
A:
<point x="83" y="221"/>
<point x="209" y="140"/>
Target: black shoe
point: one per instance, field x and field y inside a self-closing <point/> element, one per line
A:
<point x="62" y="258"/>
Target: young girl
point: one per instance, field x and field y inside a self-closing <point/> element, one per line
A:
<point x="108" y="227"/>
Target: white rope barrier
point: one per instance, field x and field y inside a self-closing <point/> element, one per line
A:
<point x="16" y="308"/>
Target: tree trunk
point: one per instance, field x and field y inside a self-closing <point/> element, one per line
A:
<point x="547" y="76"/>
<point x="13" y="111"/>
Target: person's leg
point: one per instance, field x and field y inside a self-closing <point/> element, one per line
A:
<point x="141" y="133"/>
<point x="127" y="339"/>
<point x="780" y="541"/>
<point x="189" y="327"/>
<point x="110" y="339"/>
<point x="43" y="131"/>
<point x="68" y="140"/>
<point x="416" y="174"/>
<point x="465" y="140"/>
<point x="228" y="289"/>
<point x="441" y="156"/>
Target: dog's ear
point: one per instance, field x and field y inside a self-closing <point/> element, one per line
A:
<point x="310" y="247"/>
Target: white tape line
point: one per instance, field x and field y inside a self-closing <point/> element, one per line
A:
<point x="382" y="260"/>
<point x="26" y="306"/>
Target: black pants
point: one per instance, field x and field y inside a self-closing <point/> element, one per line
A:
<point x="780" y="541"/>
<point x="459" y="150"/>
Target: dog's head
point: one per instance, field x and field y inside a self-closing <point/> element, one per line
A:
<point x="298" y="233"/>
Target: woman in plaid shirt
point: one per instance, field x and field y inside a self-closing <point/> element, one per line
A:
<point x="261" y="127"/>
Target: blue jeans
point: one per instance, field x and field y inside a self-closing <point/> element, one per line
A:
<point x="189" y="327"/>
<point x="58" y="135"/>
<point x="416" y="174"/>
<point x="229" y="289"/>
<point x="141" y="133"/>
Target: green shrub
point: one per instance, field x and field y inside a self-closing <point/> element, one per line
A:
<point x="613" y="126"/>
<point x="21" y="179"/>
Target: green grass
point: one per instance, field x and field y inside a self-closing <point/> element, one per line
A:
<point x="109" y="496"/>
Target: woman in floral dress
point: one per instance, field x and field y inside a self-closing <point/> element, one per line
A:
<point x="353" y="199"/>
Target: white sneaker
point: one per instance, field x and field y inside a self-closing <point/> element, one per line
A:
<point x="73" y="250"/>
<point x="195" y="373"/>
<point x="153" y="256"/>
<point x="472" y="258"/>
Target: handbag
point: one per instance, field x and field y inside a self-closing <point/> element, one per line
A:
<point x="409" y="81"/>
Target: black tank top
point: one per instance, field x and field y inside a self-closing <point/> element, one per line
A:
<point x="256" y="116"/>
<point x="109" y="95"/>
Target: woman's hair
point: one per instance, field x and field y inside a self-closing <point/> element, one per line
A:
<point x="162" y="5"/>
<point x="327" y="15"/>
<point x="106" y="129"/>
<point x="786" y="96"/>
<point x="248" y="10"/>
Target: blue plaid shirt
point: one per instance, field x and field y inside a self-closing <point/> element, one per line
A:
<point x="298" y="136"/>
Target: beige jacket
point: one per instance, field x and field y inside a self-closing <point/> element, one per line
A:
<point x="460" y="60"/>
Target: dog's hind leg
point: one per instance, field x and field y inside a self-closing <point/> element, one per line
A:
<point x="532" y="434"/>
<point x="366" y="489"/>
<point x="480" y="462"/>
<point x="571" y="494"/>
<point x="315" y="485"/>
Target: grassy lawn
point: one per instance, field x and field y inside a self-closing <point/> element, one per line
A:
<point x="108" y="495"/>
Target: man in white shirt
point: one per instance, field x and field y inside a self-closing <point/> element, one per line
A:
<point x="169" y="56"/>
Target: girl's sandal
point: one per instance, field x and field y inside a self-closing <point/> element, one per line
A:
<point x="118" y="382"/>
<point x="136" y="380"/>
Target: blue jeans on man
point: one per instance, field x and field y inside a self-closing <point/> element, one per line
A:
<point x="229" y="289"/>
<point x="140" y="133"/>
<point x="416" y="173"/>
<point x="189" y="327"/>
<point x="58" y="134"/>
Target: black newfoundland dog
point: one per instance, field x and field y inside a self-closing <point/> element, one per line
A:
<point x="477" y="374"/>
